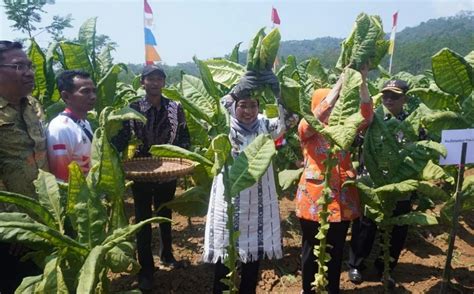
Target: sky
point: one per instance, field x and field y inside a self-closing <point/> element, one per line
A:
<point x="206" y="29"/>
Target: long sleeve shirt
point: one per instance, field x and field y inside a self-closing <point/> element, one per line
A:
<point x="345" y="200"/>
<point x="166" y="125"/>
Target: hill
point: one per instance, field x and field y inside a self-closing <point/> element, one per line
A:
<point x="414" y="46"/>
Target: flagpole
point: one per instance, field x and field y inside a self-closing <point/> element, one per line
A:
<point x="392" y="41"/>
<point x="391" y="58"/>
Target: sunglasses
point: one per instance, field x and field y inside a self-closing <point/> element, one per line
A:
<point x="391" y="96"/>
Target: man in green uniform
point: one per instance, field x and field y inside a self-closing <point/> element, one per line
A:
<point x="22" y="148"/>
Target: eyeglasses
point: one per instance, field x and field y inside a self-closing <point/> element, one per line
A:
<point x="20" y="66"/>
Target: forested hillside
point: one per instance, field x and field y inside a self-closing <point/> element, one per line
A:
<point x="413" y="49"/>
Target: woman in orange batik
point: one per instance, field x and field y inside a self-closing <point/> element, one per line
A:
<point x="344" y="205"/>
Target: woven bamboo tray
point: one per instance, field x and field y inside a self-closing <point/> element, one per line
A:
<point x="156" y="169"/>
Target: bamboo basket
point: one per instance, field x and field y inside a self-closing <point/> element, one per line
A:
<point x="156" y="169"/>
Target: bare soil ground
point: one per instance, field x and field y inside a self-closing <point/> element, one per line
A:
<point x="419" y="270"/>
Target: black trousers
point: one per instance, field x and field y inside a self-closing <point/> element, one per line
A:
<point x="248" y="277"/>
<point x="144" y="195"/>
<point x="336" y="238"/>
<point x="12" y="270"/>
<point x="363" y="236"/>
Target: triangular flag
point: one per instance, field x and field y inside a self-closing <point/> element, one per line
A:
<point x="275" y="17"/>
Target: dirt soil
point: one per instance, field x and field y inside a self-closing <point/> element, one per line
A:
<point x="419" y="270"/>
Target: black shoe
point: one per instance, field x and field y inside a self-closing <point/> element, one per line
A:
<point x="355" y="276"/>
<point x="172" y="262"/>
<point x="145" y="282"/>
<point x="391" y="282"/>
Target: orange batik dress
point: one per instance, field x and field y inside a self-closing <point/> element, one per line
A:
<point x="345" y="204"/>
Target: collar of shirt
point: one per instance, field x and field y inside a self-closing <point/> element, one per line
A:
<point x="145" y="105"/>
<point x="401" y="116"/>
<point x="73" y="116"/>
<point x="4" y="102"/>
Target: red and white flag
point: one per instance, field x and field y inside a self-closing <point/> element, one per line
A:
<point x="392" y="35"/>
<point x="275" y="17"/>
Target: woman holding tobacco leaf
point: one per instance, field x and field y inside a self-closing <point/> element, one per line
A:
<point x="256" y="214"/>
<point x="344" y="201"/>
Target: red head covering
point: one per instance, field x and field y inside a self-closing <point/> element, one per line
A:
<point x="318" y="96"/>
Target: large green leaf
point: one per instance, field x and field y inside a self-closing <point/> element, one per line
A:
<point x="315" y="68"/>
<point x="381" y="152"/>
<point x="37" y="57"/>
<point x="414" y="218"/>
<point x="470" y="58"/>
<point x="85" y="208"/>
<point x="234" y="56"/>
<point x="19" y="227"/>
<point x="432" y="191"/>
<point x="208" y="80"/>
<point x="200" y="135"/>
<point x="114" y="119"/>
<point x="251" y="164"/>
<point x="75" y="57"/>
<point x="121" y="258"/>
<point x="433" y="171"/>
<point x="53" y="279"/>
<point x="467" y="110"/>
<point x="107" y="86"/>
<point x="452" y="73"/>
<point x="343" y="135"/>
<point x="29" y="284"/>
<point x="110" y="180"/>
<point x="445" y="120"/>
<point x="193" y="202"/>
<point x="253" y="54"/>
<point x="10" y="233"/>
<point x="167" y="150"/>
<point x="95" y="261"/>
<point x="50" y="198"/>
<point x="200" y="112"/>
<point x="397" y="191"/>
<point x="87" y="37"/>
<point x="365" y="44"/>
<point x="225" y="72"/>
<point x="219" y="150"/>
<point x="288" y="177"/>
<point x="290" y="94"/>
<point x="436" y="99"/>
<point x="349" y="98"/>
<point x="305" y="111"/>
<point x="196" y="94"/>
<point x="31" y="206"/>
<point x="269" y="49"/>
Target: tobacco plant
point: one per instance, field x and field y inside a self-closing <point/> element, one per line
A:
<point x="201" y="100"/>
<point x="81" y="232"/>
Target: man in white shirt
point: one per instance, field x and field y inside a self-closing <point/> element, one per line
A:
<point x="70" y="134"/>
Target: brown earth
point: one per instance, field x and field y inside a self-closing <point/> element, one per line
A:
<point x="419" y="270"/>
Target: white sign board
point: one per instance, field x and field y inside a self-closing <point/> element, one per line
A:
<point x="452" y="140"/>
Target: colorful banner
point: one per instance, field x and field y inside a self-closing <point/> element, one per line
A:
<point x="151" y="55"/>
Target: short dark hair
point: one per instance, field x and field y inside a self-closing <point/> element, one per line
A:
<point x="65" y="79"/>
<point x="6" y="46"/>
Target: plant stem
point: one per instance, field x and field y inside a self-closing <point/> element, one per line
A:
<point x="231" y="257"/>
<point x="386" y="255"/>
<point x="320" y="251"/>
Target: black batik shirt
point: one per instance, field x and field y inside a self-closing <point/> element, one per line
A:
<point x="166" y="125"/>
